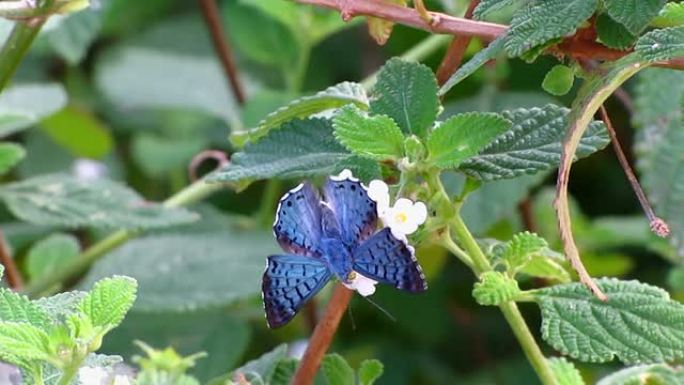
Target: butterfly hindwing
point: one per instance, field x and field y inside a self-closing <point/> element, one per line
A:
<point x="355" y="211"/>
<point x="288" y="283"/>
<point x="297" y="226"/>
<point x="387" y="259"/>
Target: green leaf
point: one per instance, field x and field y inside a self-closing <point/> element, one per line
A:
<point x="10" y="155"/>
<point x="558" y="81"/>
<point x="299" y="148"/>
<point x="463" y="136"/>
<point x="661" y="44"/>
<point x="539" y="22"/>
<point x="613" y="34"/>
<point x="48" y="255"/>
<point x="483" y="56"/>
<point x="486" y="7"/>
<point x="332" y="97"/>
<point x="158" y="156"/>
<point x="23" y="341"/>
<point x="672" y="15"/>
<point x="657" y="374"/>
<point x="407" y="93"/>
<point x="263" y="366"/>
<point x="22" y="106"/>
<point x="139" y="78"/>
<point x="60" y="306"/>
<point x="652" y="104"/>
<point x="361" y="167"/>
<point x="638" y="324"/>
<point x="518" y="251"/>
<point x="370" y="371"/>
<point x="565" y="371"/>
<point x="192" y="270"/>
<point x="109" y="300"/>
<point x="495" y="288"/>
<point x="548" y="265"/>
<point x="155" y="377"/>
<point x="337" y="371"/>
<point x="532" y="144"/>
<point x="18" y="308"/>
<point x="80" y="132"/>
<point x="284" y="372"/>
<point x="73" y="34"/>
<point x="62" y="200"/>
<point x="376" y="137"/>
<point x="634" y="14"/>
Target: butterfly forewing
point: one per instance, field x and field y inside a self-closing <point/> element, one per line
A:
<point x="387" y="259"/>
<point x="297" y="226"/>
<point x="355" y="211"/>
<point x="288" y="283"/>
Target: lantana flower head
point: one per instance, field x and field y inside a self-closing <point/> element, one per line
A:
<point x="404" y="217"/>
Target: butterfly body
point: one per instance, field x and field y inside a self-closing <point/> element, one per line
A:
<point x="335" y="237"/>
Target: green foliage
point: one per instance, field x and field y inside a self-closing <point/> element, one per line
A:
<point x="61" y="200"/>
<point x="192" y="269"/>
<point x="463" y="136"/>
<point x="638" y="324"/>
<point x="298" y="148"/>
<point x="531" y="145"/>
<point x="48" y="255"/>
<point x="370" y="371"/>
<point x="538" y="23"/>
<point x="263" y="367"/>
<point x="337" y="371"/>
<point x="528" y="253"/>
<point x="23" y="105"/>
<point x="653" y="106"/>
<point x="661" y="44"/>
<point x="613" y="34"/>
<point x="10" y="155"/>
<point x="672" y="15"/>
<point x="376" y="137"/>
<point x="108" y="301"/>
<point x="94" y="139"/>
<point x="558" y="81"/>
<point x="73" y="35"/>
<point x="407" y="93"/>
<point x="486" y="7"/>
<point x="333" y="97"/>
<point x="165" y="367"/>
<point x="565" y="371"/>
<point x="634" y="14"/>
<point x="495" y="288"/>
<point x="493" y="50"/>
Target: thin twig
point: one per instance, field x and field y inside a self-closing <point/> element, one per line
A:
<point x="211" y="14"/>
<point x="322" y="336"/>
<point x="447" y="24"/>
<point x="454" y="54"/>
<point x="219" y="156"/>
<point x="658" y="226"/>
<point x="11" y="272"/>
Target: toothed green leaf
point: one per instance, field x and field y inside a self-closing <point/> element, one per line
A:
<point x="657" y="374"/>
<point x="407" y="93"/>
<point x="495" y="288"/>
<point x="337" y="371"/>
<point x="376" y="137"/>
<point x="637" y="324"/>
<point x="462" y="136"/>
<point x="109" y="300"/>
<point x="661" y="44"/>
<point x="565" y="371"/>
<point x="539" y="22"/>
<point x="634" y="14"/>
<point x="531" y="145"/>
<point x="21" y="342"/>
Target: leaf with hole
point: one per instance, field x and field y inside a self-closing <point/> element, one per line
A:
<point x="637" y="324"/>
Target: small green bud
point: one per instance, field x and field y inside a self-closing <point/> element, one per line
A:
<point x="495" y="288"/>
<point x="414" y="148"/>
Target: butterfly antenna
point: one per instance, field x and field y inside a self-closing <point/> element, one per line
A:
<point x="351" y="317"/>
<point x="385" y="312"/>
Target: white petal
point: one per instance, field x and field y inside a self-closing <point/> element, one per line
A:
<point x="403" y="204"/>
<point x="92" y="376"/>
<point x="419" y="214"/>
<point x="379" y="192"/>
<point x="363" y="285"/>
<point x="345" y="174"/>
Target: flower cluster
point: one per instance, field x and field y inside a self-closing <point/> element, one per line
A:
<point x="402" y="219"/>
<point x="100" y="376"/>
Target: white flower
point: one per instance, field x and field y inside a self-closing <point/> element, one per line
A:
<point x="92" y="376"/>
<point x="363" y="285"/>
<point x="88" y="170"/>
<point x="121" y="379"/>
<point x="404" y="217"/>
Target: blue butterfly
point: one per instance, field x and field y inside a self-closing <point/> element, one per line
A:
<point x="336" y="236"/>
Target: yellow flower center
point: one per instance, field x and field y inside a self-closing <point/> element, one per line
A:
<point x="401" y="217"/>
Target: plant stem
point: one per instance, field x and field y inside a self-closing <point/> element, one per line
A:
<point x="454" y="54"/>
<point x="46" y="285"/>
<point x="69" y="372"/>
<point x="16" y="46"/>
<point x="322" y="336"/>
<point x="13" y="276"/>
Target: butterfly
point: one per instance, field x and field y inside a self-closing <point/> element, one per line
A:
<point x="331" y="237"/>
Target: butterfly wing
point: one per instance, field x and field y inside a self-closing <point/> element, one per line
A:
<point x="387" y="259"/>
<point x="297" y="225"/>
<point x="355" y="211"/>
<point x="288" y="283"/>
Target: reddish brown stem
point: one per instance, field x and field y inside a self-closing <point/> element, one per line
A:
<point x="322" y="336"/>
<point x="447" y="24"/>
<point x="211" y="14"/>
<point x="219" y="156"/>
<point x="454" y="54"/>
<point x="11" y="272"/>
<point x="658" y="226"/>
